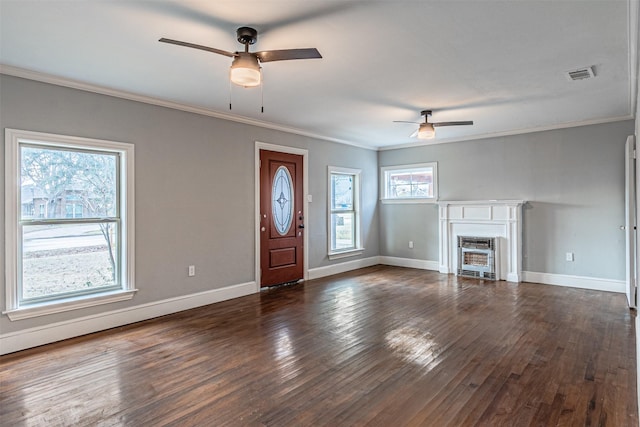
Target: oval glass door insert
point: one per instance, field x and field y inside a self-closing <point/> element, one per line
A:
<point x="282" y="200"/>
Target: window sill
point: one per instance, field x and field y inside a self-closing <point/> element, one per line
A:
<point x="76" y="303"/>
<point x="346" y="254"/>
<point x="407" y="201"/>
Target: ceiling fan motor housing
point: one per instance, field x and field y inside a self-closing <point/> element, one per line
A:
<point x="247" y="35"/>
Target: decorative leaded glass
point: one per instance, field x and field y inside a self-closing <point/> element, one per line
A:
<point x="282" y="200"/>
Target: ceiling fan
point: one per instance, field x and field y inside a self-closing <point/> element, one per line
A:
<point x="245" y="68"/>
<point x="427" y="130"/>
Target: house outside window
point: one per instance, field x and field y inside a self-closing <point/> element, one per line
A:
<point x="416" y="183"/>
<point x="78" y="250"/>
<point x="344" y="212"/>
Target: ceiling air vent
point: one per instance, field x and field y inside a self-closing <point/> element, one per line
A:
<point x="581" y="74"/>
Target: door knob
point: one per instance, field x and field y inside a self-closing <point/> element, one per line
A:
<point x="262" y="229"/>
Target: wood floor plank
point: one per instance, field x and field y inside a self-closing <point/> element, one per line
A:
<point x="379" y="346"/>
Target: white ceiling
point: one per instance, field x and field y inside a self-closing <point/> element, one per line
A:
<point x="501" y="64"/>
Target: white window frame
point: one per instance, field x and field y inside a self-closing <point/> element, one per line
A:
<point x="384" y="183"/>
<point x="358" y="249"/>
<point x="13" y="251"/>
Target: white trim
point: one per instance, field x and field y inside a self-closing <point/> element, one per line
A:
<point x="13" y="139"/>
<point x="305" y="202"/>
<point x="343" y="267"/>
<point x="32" y="337"/>
<point x="583" y="282"/>
<point x="421" y="264"/>
<point x="102" y="90"/>
<point x="494" y="202"/>
<point x="68" y="305"/>
<point x="11" y="215"/>
<point x="486" y="218"/>
<point x="407" y="201"/>
<point x="10" y="70"/>
<point x="523" y="131"/>
<point x="345" y="254"/>
<point x="384" y="198"/>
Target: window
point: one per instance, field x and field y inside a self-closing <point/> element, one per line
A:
<point x="409" y="183"/>
<point x="76" y="248"/>
<point x="344" y="212"/>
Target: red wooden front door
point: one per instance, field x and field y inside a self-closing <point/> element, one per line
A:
<point x="281" y="218"/>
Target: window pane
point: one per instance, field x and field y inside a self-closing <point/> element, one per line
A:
<point x="401" y="191"/>
<point x="67" y="184"/>
<point x="341" y="192"/>
<point x="343" y="231"/>
<point x="421" y="190"/>
<point x="282" y="200"/>
<point x="409" y="183"/>
<point x="63" y="258"/>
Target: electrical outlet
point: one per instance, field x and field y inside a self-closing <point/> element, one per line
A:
<point x="569" y="256"/>
<point x="410" y="244"/>
<point x="192" y="270"/>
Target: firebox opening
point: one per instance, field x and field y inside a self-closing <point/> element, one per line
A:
<point x="477" y="257"/>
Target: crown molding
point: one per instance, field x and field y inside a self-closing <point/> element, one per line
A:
<point x="509" y="133"/>
<point x="10" y="70"/>
<point x="102" y="90"/>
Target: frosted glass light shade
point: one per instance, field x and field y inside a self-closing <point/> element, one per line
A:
<point x="245" y="70"/>
<point x="426" y="131"/>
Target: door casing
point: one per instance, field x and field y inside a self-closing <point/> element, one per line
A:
<point x="305" y="203"/>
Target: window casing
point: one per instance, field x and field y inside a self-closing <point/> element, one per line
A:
<point x="69" y="222"/>
<point x="344" y="212"/>
<point x="416" y="183"/>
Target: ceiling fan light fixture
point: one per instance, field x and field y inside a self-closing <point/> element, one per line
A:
<point x="426" y="131"/>
<point x="245" y="70"/>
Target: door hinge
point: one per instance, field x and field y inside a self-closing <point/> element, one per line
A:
<point x="260" y="161"/>
<point x="634" y="153"/>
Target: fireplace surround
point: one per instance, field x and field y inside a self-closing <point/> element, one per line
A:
<point x="500" y="219"/>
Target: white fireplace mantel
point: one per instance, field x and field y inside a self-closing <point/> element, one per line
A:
<point x="483" y="218"/>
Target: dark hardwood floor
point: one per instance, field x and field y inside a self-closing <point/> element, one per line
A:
<point x="380" y="346"/>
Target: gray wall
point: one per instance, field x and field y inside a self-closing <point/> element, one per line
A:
<point x="194" y="187"/>
<point x="573" y="180"/>
<point x="195" y="201"/>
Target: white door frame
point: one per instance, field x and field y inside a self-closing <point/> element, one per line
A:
<point x="631" y="212"/>
<point x="305" y="203"/>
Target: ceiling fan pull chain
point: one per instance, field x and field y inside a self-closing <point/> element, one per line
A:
<point x="229" y="95"/>
<point x="262" y="94"/>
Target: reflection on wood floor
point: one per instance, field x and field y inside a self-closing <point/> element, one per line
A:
<point x="381" y="346"/>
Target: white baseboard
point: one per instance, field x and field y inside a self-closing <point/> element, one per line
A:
<point x="343" y="267"/>
<point x="607" y="285"/>
<point x="33" y="337"/>
<point x="409" y="262"/>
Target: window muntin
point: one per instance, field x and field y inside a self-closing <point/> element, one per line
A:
<point x="344" y="216"/>
<point x="409" y="183"/>
<point x="69" y="223"/>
